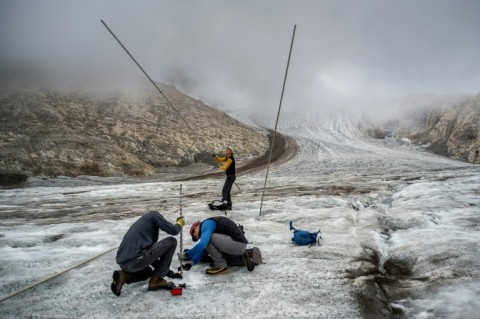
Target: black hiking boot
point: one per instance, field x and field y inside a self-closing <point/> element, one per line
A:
<point x="228" y="206"/>
<point x="217" y="270"/>
<point x="249" y="261"/>
<point x="120" y="277"/>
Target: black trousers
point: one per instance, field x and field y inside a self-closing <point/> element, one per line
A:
<point x="159" y="256"/>
<point x="227" y="187"/>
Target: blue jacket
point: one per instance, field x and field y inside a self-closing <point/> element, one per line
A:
<point x="142" y="235"/>
<point x="199" y="250"/>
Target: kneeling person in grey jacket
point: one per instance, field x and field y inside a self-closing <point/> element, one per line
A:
<point x="139" y="251"/>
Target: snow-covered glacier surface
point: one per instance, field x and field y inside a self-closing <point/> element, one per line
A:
<point x="400" y="229"/>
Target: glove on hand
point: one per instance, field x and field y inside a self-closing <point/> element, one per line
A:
<point x="177" y="275"/>
<point x="184" y="256"/>
<point x="174" y="275"/>
<point x="213" y="155"/>
<point x="181" y="221"/>
<point x="186" y="267"/>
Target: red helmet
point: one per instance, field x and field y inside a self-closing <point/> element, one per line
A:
<point x="193" y="228"/>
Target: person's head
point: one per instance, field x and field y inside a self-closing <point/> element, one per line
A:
<point x="229" y="151"/>
<point x="195" y="231"/>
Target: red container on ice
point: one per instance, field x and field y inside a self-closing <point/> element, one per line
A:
<point x="176" y="291"/>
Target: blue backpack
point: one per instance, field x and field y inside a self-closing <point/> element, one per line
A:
<point x="303" y="237"/>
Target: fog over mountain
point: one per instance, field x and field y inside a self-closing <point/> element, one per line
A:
<point x="113" y="133"/>
<point x="232" y="55"/>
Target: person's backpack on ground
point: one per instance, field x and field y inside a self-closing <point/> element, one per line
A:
<point x="253" y="253"/>
<point x="219" y="205"/>
<point x="303" y="237"/>
<point x="256" y="255"/>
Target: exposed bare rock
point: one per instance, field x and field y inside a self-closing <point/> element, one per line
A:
<point x="58" y="132"/>
<point x="450" y="129"/>
<point x="464" y="140"/>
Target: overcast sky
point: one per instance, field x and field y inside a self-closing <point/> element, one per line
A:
<point x="233" y="54"/>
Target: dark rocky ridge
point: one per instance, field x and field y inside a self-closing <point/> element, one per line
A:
<point x="451" y="128"/>
<point x="55" y="132"/>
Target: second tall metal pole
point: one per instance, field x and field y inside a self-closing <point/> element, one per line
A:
<point x="278" y="115"/>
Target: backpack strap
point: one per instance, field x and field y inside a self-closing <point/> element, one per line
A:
<point x="291" y="226"/>
<point x="294" y="230"/>
<point x="318" y="236"/>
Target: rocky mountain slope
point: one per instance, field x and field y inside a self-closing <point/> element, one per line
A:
<point x="92" y="132"/>
<point x="450" y="127"/>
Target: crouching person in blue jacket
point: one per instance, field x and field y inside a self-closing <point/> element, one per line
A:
<point x="220" y="238"/>
<point x="140" y="250"/>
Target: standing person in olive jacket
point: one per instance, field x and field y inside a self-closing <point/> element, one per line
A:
<point x="229" y="168"/>
<point x="221" y="238"/>
<point x="139" y="250"/>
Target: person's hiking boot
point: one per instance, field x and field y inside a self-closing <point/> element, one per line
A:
<point x="120" y="277"/>
<point x="157" y="283"/>
<point x="217" y="270"/>
<point x="249" y="261"/>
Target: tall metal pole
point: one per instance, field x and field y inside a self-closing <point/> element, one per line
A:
<point x="278" y="115"/>
<point x="156" y="86"/>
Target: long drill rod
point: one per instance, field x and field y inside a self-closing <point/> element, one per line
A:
<point x="181" y="230"/>
<point x="278" y="115"/>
